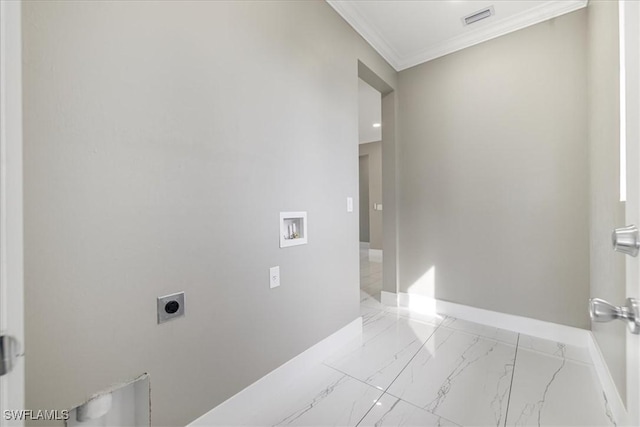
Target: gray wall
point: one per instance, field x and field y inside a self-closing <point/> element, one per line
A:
<point x="607" y="212"/>
<point x="369" y="112"/>
<point x="494" y="174"/>
<point x="373" y="151"/>
<point x="162" y="139"/>
<point x="364" y="198"/>
<point x="390" y="191"/>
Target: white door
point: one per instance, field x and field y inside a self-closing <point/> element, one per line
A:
<point x="11" y="269"/>
<point x="630" y="20"/>
<point x="627" y="239"/>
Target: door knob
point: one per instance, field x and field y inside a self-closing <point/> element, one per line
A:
<point x="603" y="311"/>
<point x="626" y="240"/>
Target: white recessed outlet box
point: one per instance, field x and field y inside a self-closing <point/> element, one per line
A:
<point x="349" y="204"/>
<point x="274" y="277"/>
<point x="293" y="229"/>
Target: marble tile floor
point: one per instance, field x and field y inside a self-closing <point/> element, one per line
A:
<point x="470" y="374"/>
<point x="421" y="370"/>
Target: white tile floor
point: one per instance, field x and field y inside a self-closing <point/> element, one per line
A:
<point x="419" y="370"/>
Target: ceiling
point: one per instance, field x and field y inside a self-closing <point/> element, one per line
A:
<point x="408" y="33"/>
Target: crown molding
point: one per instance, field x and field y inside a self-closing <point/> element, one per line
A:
<point x="551" y="9"/>
<point x="352" y="15"/>
<point x="499" y="28"/>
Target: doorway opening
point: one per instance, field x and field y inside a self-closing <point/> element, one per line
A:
<point x="387" y="257"/>
<point x="370" y="190"/>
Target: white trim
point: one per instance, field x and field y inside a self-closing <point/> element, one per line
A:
<point x="364" y="245"/>
<point x="389" y="298"/>
<point x="283" y="374"/>
<point x="623" y="101"/>
<point x="533" y="16"/>
<point x="551" y="9"/>
<point x="351" y="14"/>
<point x="524" y="325"/>
<point x="609" y="387"/>
<point x="375" y="255"/>
<point x="630" y="11"/>
<point x="11" y="240"/>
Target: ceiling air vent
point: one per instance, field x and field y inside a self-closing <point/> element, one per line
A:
<point x="478" y="16"/>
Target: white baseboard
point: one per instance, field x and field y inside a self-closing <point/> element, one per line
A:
<point x="524" y="325"/>
<point x="375" y="255"/>
<point x="389" y="298"/>
<point x="285" y="373"/>
<point x="364" y="245"/>
<point x="616" y="403"/>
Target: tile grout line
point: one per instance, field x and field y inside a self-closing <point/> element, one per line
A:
<point x="553" y="356"/>
<point x="422" y="409"/>
<point x="351" y="376"/>
<point x="400" y="373"/>
<point x="513" y="374"/>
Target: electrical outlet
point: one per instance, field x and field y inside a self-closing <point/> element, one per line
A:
<point x="170" y="307"/>
<point x="274" y="277"/>
<point x="349" y="204"/>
